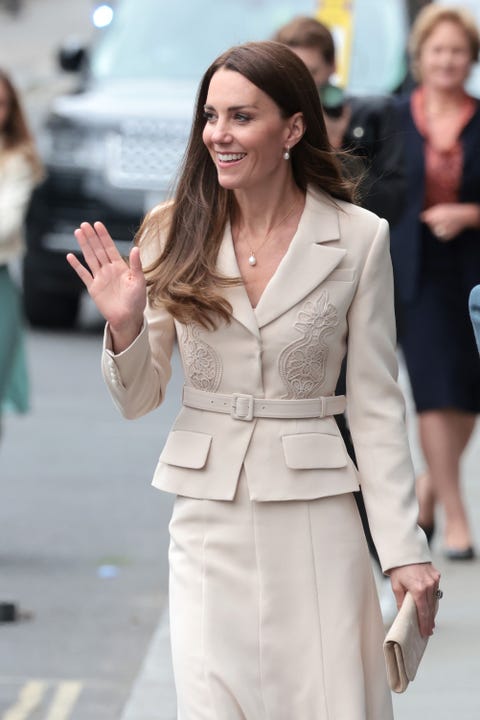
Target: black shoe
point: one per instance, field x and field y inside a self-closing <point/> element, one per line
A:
<point x="8" y="612"/>
<point x="454" y="554"/>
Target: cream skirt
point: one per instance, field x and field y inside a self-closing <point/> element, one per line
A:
<point x="274" y="612"/>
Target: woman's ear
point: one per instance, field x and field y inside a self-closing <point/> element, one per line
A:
<point x="296" y="127"/>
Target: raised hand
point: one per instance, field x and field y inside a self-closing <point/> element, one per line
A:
<point x="118" y="289"/>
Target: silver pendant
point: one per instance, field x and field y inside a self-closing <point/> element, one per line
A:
<point x="252" y="260"/>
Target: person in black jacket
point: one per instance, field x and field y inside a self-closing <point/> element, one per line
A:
<point x="364" y="126"/>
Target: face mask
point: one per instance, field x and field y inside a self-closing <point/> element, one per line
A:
<point x="332" y="98"/>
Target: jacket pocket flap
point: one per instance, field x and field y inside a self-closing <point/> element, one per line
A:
<point x="187" y="449"/>
<point x="313" y="450"/>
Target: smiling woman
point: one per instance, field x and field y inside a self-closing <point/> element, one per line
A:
<point x="243" y="141"/>
<point x="233" y="109"/>
<point x="266" y="541"/>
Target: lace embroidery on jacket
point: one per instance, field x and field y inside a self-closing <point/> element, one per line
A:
<point x="203" y="367"/>
<point x="302" y="364"/>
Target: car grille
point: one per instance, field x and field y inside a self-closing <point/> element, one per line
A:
<point x="146" y="155"/>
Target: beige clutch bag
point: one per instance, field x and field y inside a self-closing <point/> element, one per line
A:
<point x="404" y="646"/>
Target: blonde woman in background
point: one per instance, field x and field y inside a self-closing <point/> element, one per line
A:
<point x="20" y="169"/>
<point x="436" y="256"/>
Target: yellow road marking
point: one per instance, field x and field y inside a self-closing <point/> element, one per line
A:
<point x="63" y="701"/>
<point x="29" y="698"/>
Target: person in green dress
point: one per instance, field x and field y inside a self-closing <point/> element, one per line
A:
<point x="20" y="170"/>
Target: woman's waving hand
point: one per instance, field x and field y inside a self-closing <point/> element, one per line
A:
<point x="117" y="288"/>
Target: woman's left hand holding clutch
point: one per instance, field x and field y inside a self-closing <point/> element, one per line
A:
<point x="422" y="580"/>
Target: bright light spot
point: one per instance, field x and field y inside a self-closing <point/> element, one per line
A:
<point x="102" y="16"/>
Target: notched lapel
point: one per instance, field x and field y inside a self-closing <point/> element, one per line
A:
<point x="236" y="295"/>
<point x="307" y="263"/>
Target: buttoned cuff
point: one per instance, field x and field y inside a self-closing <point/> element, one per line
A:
<point x="120" y="369"/>
<point x="108" y="343"/>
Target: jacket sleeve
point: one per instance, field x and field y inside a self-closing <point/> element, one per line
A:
<point x="376" y="413"/>
<point x="137" y="377"/>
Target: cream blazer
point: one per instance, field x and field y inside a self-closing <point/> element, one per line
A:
<point x="332" y="292"/>
<point x="17" y="180"/>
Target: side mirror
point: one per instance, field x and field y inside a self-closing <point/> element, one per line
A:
<point x="72" y="55"/>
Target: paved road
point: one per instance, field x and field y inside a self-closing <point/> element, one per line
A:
<point x="83" y="539"/>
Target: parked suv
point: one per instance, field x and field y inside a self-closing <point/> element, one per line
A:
<point x="112" y="147"/>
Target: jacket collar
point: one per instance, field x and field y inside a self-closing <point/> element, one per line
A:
<point x="307" y="262"/>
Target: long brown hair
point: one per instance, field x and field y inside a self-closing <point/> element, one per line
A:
<point x="15" y="133"/>
<point x="184" y="278"/>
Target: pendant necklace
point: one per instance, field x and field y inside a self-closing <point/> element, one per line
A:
<point x="252" y="258"/>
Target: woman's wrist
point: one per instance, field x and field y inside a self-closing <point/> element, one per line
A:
<point x="123" y="336"/>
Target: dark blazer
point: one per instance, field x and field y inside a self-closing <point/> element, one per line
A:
<point x="372" y="138"/>
<point x="406" y="234"/>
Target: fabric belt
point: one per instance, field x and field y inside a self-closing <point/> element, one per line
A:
<point x="247" y="407"/>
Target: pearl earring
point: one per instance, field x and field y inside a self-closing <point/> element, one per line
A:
<point x="286" y="154"/>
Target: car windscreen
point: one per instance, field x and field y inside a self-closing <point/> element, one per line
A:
<point x="150" y="39"/>
<point x="379" y="61"/>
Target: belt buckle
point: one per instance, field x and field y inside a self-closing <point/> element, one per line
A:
<point x="242" y="407"/>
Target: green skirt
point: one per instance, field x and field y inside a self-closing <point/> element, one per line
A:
<point x="14" y="384"/>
